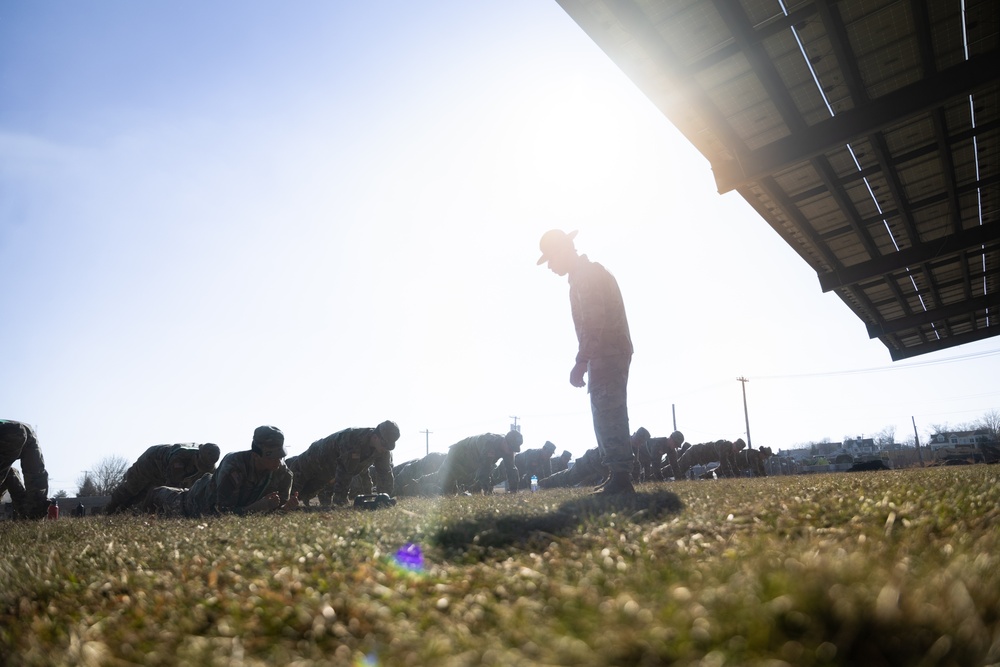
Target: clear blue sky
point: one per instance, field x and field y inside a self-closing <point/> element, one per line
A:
<point x="321" y="215"/>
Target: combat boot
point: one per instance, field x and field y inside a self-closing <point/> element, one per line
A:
<point x="618" y="483"/>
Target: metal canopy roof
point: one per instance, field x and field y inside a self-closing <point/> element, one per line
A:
<point x="865" y="132"/>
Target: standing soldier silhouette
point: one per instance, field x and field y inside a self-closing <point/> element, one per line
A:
<point x="604" y="354"/>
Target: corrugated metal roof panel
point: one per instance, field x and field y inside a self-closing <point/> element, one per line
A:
<point x="860" y="130"/>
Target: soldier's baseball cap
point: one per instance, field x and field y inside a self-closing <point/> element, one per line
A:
<point x="514" y="439"/>
<point x="269" y="441"/>
<point x="554" y="241"/>
<point x="208" y="454"/>
<point x="389" y="432"/>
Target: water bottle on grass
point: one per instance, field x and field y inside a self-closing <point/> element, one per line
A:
<point x="534" y="482"/>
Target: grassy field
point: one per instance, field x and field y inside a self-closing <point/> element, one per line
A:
<point x="878" y="568"/>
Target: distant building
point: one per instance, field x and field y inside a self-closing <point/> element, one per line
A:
<point x="954" y="438"/>
<point x="971" y="446"/>
<point x="799" y="454"/>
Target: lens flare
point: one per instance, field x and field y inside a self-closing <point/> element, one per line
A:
<point x="410" y="557"/>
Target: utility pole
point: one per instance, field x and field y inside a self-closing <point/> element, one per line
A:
<point x="746" y="415"/>
<point x="673" y="411"/>
<point x="514" y="426"/>
<point x="916" y="441"/>
<point x="427" y="435"/>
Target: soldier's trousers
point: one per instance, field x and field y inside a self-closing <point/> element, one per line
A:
<point x="580" y="474"/>
<point x="132" y="490"/>
<point x="168" y="501"/>
<point x="608" y="383"/>
<point x="18" y="441"/>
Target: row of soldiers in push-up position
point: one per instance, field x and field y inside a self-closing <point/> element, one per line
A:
<point x="358" y="461"/>
<point x="183" y="480"/>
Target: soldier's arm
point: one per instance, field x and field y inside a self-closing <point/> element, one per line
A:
<point x="281" y="482"/>
<point x="229" y="480"/>
<point x="484" y="477"/>
<point x="592" y="310"/>
<point x="176" y="473"/>
<point x="275" y="496"/>
<point x="512" y="476"/>
<point x="383" y="473"/>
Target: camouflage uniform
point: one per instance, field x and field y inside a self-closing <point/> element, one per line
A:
<point x="406" y="474"/>
<point x="537" y="461"/>
<point x="12" y="483"/>
<point x="722" y="451"/>
<point x="234" y="486"/>
<point x="586" y="471"/>
<point x="18" y="441"/>
<point x="361" y="485"/>
<point x="750" y="462"/>
<point x="336" y="459"/>
<point x="561" y="462"/>
<point x="606" y="347"/>
<point x="161" y="465"/>
<point x="651" y="456"/>
<point x="469" y="465"/>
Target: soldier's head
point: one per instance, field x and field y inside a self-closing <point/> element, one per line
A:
<point x="640" y="437"/>
<point x="269" y="446"/>
<point x="566" y="455"/>
<point x="739" y="445"/>
<point x="558" y="251"/>
<point x="208" y="455"/>
<point x="549" y="448"/>
<point x="387" y="434"/>
<point x="514" y="440"/>
<point x="676" y="439"/>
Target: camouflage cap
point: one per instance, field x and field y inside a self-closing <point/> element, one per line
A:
<point x="514" y="439"/>
<point x="208" y="453"/>
<point x="389" y="432"/>
<point x="270" y="438"/>
<point x="549" y="445"/>
<point x="677" y="437"/>
<point x="642" y="433"/>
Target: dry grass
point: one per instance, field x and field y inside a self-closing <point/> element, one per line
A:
<point x="881" y="568"/>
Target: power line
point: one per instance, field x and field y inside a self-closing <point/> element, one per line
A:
<point x="899" y="367"/>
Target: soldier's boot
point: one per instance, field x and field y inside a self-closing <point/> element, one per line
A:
<point x="617" y="483"/>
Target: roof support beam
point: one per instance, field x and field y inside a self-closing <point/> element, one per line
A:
<point x="936" y="249"/>
<point x="760" y="33"/>
<point x="941" y="344"/>
<point x="860" y="121"/>
<point x="939" y="315"/>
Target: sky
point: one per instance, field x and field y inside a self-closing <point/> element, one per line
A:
<point x="322" y="215"/>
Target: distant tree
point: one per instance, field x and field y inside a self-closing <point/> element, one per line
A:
<point x="825" y="448"/>
<point x="991" y="422"/>
<point x="61" y="493"/>
<point x="886" y="437"/>
<point x="86" y="486"/>
<point x="108" y="474"/>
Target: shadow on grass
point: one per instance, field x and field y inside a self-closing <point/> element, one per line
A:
<point x="491" y="530"/>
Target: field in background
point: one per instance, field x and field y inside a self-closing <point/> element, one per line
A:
<point x="879" y="568"/>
